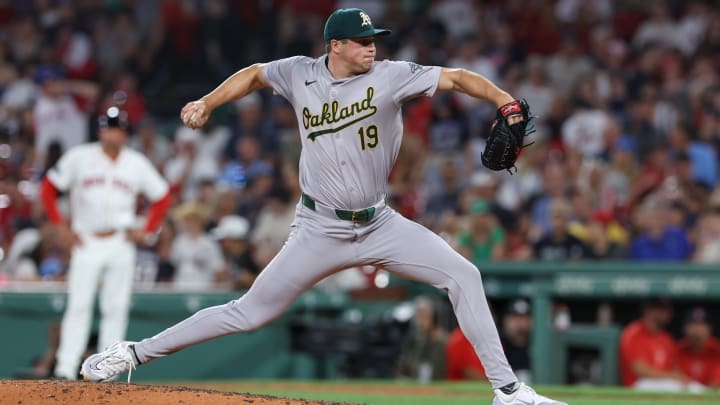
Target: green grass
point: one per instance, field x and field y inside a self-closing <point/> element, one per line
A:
<point x="407" y="393"/>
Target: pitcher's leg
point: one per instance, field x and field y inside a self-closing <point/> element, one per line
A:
<point x="83" y="277"/>
<point x="115" y="293"/>
<point x="412" y="251"/>
<point x="305" y="259"/>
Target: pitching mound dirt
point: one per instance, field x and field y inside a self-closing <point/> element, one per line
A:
<point x="32" y="392"/>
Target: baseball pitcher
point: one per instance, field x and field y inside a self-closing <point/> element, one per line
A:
<point x="104" y="179"/>
<point x="348" y="108"/>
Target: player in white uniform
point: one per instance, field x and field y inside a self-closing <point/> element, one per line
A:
<point x="103" y="179"/>
<point x="349" y="110"/>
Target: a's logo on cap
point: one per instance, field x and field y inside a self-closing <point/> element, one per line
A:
<point x="365" y="19"/>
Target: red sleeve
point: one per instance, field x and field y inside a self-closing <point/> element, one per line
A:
<point x="673" y="361"/>
<point x="685" y="361"/>
<point x="176" y="188"/>
<point x="156" y="213"/>
<point x="628" y="354"/>
<point x="48" y="197"/>
<point x="461" y="356"/>
<point x="715" y="374"/>
<point x="453" y="358"/>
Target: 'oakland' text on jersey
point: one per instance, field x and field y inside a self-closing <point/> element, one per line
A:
<point x="351" y="128"/>
<point x="333" y="113"/>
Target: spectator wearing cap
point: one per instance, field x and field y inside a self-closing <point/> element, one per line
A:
<point x="699" y="351"/>
<point x="485" y="239"/>
<point x="61" y="110"/>
<point x="648" y="354"/>
<point x="462" y="361"/>
<point x="196" y="256"/>
<point x="232" y="234"/>
<point x="515" y="336"/>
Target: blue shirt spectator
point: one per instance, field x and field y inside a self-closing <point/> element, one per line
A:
<point x="702" y="156"/>
<point x="672" y="245"/>
<point x="704" y="163"/>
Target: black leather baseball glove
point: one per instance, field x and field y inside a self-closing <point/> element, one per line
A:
<point x="507" y="140"/>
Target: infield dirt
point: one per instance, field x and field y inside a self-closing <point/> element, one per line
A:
<point x="36" y="392"/>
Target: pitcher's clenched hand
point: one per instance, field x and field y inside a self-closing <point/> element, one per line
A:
<point x="195" y="114"/>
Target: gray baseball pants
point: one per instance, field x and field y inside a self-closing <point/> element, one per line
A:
<point x="319" y="246"/>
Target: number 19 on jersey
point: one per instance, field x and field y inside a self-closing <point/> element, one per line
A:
<point x="368" y="137"/>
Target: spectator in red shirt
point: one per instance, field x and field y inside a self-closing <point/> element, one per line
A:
<point x="648" y="354"/>
<point x="462" y="362"/>
<point x="699" y="351"/>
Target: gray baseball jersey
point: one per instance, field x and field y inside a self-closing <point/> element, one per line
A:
<point x="351" y="131"/>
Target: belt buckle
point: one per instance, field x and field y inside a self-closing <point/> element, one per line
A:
<point x="360" y="216"/>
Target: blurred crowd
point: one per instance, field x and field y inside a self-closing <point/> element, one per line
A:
<point x="650" y="358"/>
<point x="626" y="97"/>
<point x="430" y="352"/>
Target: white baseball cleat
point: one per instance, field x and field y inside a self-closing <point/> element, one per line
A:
<point x="523" y="396"/>
<point x="106" y="365"/>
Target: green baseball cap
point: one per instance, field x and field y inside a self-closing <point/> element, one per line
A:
<point x="350" y="23"/>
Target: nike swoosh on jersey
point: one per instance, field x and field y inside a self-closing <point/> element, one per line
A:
<point x="309" y="82"/>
